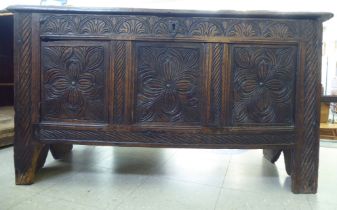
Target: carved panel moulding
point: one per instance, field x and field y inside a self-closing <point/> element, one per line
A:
<point x="73" y="82"/>
<point x="263" y="79"/>
<point x="167" y="26"/>
<point x="168" y="84"/>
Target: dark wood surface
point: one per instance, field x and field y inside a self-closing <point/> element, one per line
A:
<point x="59" y="151"/>
<point x="167" y="12"/>
<point x="6" y="60"/>
<point x="272" y="155"/>
<point x="161" y="78"/>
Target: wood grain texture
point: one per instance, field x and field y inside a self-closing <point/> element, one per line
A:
<point x="217" y="77"/>
<point x="29" y="155"/>
<point x="323" y="16"/>
<point x="119" y="80"/>
<point x="160" y="137"/>
<point x="305" y="173"/>
<point x="42" y="157"/>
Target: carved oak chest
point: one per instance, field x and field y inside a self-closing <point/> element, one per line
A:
<point x="165" y="78"/>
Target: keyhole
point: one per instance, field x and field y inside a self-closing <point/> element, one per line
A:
<point x="173" y="26"/>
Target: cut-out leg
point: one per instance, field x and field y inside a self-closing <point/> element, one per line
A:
<point x="28" y="159"/>
<point x="42" y="158"/>
<point x="288" y="160"/>
<point x="304" y="173"/>
<point x="272" y="155"/>
<point x="29" y="154"/>
<point x="304" y="170"/>
<point x="60" y="150"/>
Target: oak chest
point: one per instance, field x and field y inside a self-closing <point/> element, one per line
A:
<point x="166" y="78"/>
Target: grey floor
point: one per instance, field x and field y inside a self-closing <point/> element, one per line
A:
<point x="159" y="179"/>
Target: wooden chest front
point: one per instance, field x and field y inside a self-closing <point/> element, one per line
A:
<point x="171" y="79"/>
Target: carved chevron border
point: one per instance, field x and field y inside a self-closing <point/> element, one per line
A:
<point x="150" y="137"/>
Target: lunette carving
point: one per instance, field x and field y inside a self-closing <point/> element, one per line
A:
<point x="96" y="25"/>
<point x="201" y="27"/>
<point x="243" y="29"/>
<point x="279" y="31"/>
<point x="152" y="25"/>
<point x="132" y="25"/>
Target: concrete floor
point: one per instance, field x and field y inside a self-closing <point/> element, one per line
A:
<point x="174" y="179"/>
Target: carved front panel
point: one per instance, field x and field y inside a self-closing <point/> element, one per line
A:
<point x="168" y="82"/>
<point x="74" y="81"/>
<point x="263" y="84"/>
<point x="145" y="25"/>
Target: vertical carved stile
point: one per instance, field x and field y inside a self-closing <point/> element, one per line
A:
<point x="29" y="155"/>
<point x="26" y="153"/>
<point x="216" y="84"/>
<point x="129" y="83"/>
<point x="226" y="87"/>
<point x="35" y="79"/>
<point x="23" y="129"/>
<point x="119" y="68"/>
<point x="306" y="162"/>
<point x="23" y="73"/>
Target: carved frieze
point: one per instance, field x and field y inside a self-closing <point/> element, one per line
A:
<point x="167" y="26"/>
